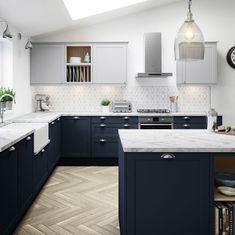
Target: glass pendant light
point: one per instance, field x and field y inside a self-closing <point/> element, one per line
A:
<point x="189" y="41"/>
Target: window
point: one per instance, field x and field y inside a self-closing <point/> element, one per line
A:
<point x="79" y="9"/>
<point x="6" y="63"/>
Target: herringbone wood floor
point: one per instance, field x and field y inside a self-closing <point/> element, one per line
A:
<point x="75" y="200"/>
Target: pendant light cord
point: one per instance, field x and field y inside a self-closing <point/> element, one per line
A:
<point x="190" y="6"/>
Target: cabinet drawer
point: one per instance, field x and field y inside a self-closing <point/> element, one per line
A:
<point x="115" y="120"/>
<point x="190" y="126"/>
<point x="190" y="119"/>
<point x="105" y="147"/>
<point x="109" y="129"/>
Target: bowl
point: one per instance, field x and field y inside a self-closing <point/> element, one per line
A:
<point x="227" y="191"/>
<point x="225" y="179"/>
<point x="76" y="60"/>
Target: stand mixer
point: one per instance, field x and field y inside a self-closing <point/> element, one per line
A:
<point x="42" y="102"/>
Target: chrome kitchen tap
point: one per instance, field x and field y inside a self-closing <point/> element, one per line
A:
<point x="3" y="107"/>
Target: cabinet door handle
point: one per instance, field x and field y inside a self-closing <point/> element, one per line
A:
<point x="102" y="140"/>
<point x="58" y="119"/>
<point x="102" y="125"/>
<point x="11" y="149"/>
<point x="43" y="150"/>
<point x="52" y="123"/>
<point x="28" y="138"/>
<point x="126" y="125"/>
<point x="75" y="118"/>
<point x="186" y="125"/>
<point x="186" y="118"/>
<point x="167" y="156"/>
<point x="102" y="118"/>
<point x="126" y="118"/>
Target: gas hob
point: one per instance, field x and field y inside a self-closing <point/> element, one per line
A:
<point x="153" y="111"/>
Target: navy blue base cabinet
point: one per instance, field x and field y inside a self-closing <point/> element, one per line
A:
<point x="76" y="137"/>
<point x="193" y="122"/>
<point x="40" y="169"/>
<point x="54" y="145"/>
<point x="105" y="134"/>
<point x="9" y="201"/>
<point x="25" y="158"/>
<point x="159" y="196"/>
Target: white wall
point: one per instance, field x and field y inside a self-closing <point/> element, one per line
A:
<point x="19" y="77"/>
<point x="215" y="18"/>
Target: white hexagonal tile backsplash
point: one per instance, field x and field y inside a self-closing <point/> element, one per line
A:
<point x="88" y="98"/>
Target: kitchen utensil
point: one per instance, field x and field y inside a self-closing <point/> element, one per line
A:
<point x="225" y="179"/>
<point x="76" y="60"/>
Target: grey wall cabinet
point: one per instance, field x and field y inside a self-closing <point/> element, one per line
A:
<point x="202" y="72"/>
<point x="110" y="63"/>
<point x="47" y="64"/>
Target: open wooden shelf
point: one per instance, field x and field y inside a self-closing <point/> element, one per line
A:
<point x="218" y="197"/>
<point x="78" y="72"/>
<point x="77" y="51"/>
<point x="80" y="64"/>
<point x="224" y="164"/>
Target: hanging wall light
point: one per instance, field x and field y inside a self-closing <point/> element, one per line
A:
<point x="7" y="33"/>
<point x="189" y="41"/>
<point x="29" y="45"/>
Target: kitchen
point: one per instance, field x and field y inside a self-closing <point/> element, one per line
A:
<point x="71" y="183"/>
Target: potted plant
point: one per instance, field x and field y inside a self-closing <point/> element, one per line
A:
<point x="6" y="101"/>
<point x="105" y="105"/>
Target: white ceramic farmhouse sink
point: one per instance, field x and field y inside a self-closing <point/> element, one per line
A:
<point x="41" y="136"/>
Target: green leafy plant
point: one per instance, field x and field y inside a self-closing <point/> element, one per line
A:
<point x="4" y="91"/>
<point x="105" y="102"/>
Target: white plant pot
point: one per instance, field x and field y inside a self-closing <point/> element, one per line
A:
<point x="105" y="109"/>
<point x="3" y="105"/>
<point x="9" y="105"/>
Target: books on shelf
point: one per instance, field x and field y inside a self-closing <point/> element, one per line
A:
<point x="224" y="218"/>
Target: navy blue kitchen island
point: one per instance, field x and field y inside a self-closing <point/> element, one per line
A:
<point x="166" y="181"/>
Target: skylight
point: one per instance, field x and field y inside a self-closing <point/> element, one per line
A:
<point x="79" y="9"/>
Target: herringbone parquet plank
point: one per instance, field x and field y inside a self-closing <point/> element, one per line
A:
<point x="75" y="201"/>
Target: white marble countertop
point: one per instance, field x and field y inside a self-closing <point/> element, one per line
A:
<point x="51" y="116"/>
<point x="175" y="141"/>
<point x="10" y="135"/>
<point x="132" y="114"/>
<point x="41" y="117"/>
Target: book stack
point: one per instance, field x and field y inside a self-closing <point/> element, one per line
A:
<point x="224" y="218"/>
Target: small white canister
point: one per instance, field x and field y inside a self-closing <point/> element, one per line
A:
<point x="212" y="120"/>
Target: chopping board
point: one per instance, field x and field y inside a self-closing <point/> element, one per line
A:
<point x="225" y="133"/>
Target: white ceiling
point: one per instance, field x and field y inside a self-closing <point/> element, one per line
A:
<point x="37" y="17"/>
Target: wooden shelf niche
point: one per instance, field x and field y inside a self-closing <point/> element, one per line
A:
<point x="78" y="72"/>
<point x="224" y="164"/>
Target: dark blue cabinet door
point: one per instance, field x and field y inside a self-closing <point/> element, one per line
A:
<point x="25" y="156"/>
<point x="166" y="196"/>
<point x="190" y="122"/>
<point x="9" y="206"/>
<point x="51" y="147"/>
<point x="106" y="147"/>
<point x="76" y="137"/>
<point x="57" y="139"/>
<point x="40" y="169"/>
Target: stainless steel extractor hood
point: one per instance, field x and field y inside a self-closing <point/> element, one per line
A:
<point x="153" y="57"/>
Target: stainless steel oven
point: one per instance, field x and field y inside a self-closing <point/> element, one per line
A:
<point x="156" y="122"/>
